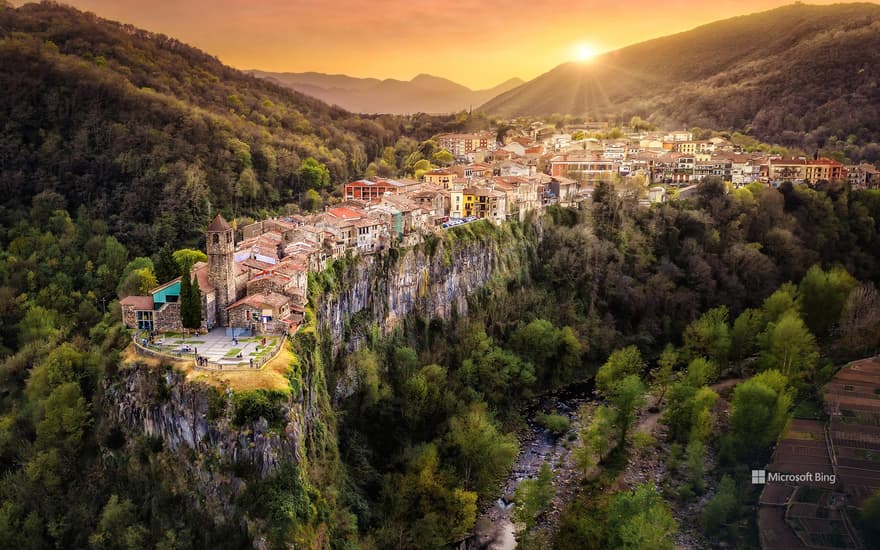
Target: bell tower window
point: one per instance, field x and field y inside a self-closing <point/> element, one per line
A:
<point x="216" y="238"/>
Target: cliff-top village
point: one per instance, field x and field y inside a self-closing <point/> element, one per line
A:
<point x="259" y="283"/>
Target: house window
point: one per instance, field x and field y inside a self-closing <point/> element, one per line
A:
<point x="145" y="320"/>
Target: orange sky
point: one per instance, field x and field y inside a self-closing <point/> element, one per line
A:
<point x="474" y="42"/>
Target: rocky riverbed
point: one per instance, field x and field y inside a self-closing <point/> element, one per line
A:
<point x="495" y="529"/>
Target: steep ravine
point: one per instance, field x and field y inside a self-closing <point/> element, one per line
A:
<point x="194" y="421"/>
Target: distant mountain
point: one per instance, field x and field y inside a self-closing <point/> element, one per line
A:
<point x="793" y="75"/>
<point x="422" y="94"/>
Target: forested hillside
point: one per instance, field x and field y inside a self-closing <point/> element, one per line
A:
<point x="152" y="135"/>
<point x="800" y="75"/>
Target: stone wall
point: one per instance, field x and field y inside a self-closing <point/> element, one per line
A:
<point x="129" y="316"/>
<point x="167" y="318"/>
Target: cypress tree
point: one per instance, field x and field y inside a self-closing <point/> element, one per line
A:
<point x="195" y="316"/>
<point x="185" y="298"/>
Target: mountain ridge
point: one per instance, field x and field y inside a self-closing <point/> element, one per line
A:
<point x="424" y="93"/>
<point x="796" y="69"/>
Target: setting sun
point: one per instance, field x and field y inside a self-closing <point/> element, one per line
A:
<point x="585" y="52"/>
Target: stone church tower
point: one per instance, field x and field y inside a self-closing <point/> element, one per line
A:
<point x="221" y="265"/>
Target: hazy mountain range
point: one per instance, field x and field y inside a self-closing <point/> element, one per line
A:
<point x="422" y="94"/>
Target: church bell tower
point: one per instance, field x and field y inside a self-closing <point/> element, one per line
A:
<point x="221" y="265"/>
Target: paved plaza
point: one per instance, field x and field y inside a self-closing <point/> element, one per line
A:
<point x="217" y="346"/>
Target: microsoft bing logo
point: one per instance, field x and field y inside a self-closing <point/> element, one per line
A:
<point x="759" y="477"/>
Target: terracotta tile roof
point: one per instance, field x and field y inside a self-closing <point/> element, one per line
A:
<point x="344" y="213"/>
<point x="201" y="272"/>
<point x="219" y="224"/>
<point x="138" y="303"/>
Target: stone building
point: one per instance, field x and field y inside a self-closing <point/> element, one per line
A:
<point x="276" y="290"/>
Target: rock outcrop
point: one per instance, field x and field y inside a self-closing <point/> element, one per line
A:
<point x="435" y="280"/>
<point x="166" y="406"/>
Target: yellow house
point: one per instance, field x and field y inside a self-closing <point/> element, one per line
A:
<point x="441" y="177"/>
<point x="469" y="200"/>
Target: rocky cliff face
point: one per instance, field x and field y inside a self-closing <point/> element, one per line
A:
<point x="435" y="280"/>
<point x="216" y="459"/>
<point x="166" y="406"/>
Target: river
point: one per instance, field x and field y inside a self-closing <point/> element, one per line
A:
<point x="494" y="529"/>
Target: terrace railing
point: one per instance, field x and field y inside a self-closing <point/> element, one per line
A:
<point x="144" y="346"/>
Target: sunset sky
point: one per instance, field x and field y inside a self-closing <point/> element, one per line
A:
<point x="474" y="42"/>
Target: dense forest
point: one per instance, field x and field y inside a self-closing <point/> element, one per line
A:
<point x="798" y="76"/>
<point x="430" y="430"/>
<point x="698" y="286"/>
<point x="153" y="135"/>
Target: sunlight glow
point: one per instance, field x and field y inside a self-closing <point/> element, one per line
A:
<point x="585" y="52"/>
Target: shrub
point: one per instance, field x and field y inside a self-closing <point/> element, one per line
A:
<point x="250" y="406"/>
<point x="556" y="423"/>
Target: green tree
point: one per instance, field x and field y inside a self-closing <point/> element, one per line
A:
<point x="665" y="371"/>
<point x="119" y="527"/>
<point x="709" y="336"/>
<point x="313" y="174"/>
<point x="555" y="353"/>
<point x="597" y="439"/>
<point x="788" y="347"/>
<point x="701" y="372"/>
<point x="759" y="411"/>
<point x="188" y="257"/>
<point x="688" y="412"/>
<point x="702" y="423"/>
<point x="426" y="504"/>
<point x="783" y="300"/>
<point x="312" y="201"/>
<point x="621" y="363"/>
<point x="500" y="375"/>
<point x="823" y="295"/>
<point x="195" y="305"/>
<point x="695" y="465"/>
<point x="721" y="509"/>
<point x="64" y="422"/>
<point x="138" y="281"/>
<point x="627" y="396"/>
<point x="640" y="519"/>
<point x="187" y="301"/>
<point x="533" y="496"/>
<point x="443" y="157"/>
<point x="744" y="334"/>
<point x="166" y="267"/>
<point x="38" y="324"/>
<point x="482" y="454"/>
